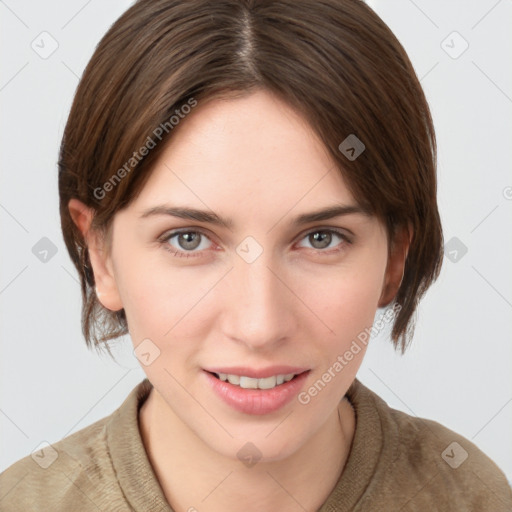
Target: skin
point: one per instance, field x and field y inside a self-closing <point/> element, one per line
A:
<point x="255" y="161"/>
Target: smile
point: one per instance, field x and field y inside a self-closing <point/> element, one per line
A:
<point x="252" y="383"/>
<point x="263" y="391"/>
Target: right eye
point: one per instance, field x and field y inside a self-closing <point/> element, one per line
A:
<point x="186" y="242"/>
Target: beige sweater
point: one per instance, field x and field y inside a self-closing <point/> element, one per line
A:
<point x="397" y="463"/>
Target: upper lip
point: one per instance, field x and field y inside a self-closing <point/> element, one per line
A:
<point x="254" y="373"/>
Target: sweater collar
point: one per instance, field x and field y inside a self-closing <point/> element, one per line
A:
<point x="129" y="458"/>
<point x="366" y="451"/>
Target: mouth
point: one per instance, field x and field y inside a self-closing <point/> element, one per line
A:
<point x="246" y="382"/>
<point x="261" y="392"/>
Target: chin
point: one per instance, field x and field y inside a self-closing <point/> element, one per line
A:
<point x="252" y="448"/>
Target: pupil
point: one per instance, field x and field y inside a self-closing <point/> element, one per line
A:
<point x="323" y="238"/>
<point x="189" y="240"/>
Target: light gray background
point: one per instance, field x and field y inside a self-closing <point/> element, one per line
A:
<point x="458" y="370"/>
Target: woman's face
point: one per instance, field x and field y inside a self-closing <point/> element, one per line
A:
<point x="248" y="288"/>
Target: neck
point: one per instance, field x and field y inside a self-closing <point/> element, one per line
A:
<point x="194" y="477"/>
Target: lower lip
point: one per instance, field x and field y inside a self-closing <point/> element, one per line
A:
<point x="256" y="401"/>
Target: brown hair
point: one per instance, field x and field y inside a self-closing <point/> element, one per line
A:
<point x="334" y="61"/>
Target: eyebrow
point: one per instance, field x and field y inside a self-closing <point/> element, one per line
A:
<point x="211" y="217"/>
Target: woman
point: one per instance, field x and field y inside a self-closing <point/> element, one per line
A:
<point x="243" y="184"/>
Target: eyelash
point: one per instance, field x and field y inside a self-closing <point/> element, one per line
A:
<point x="164" y="240"/>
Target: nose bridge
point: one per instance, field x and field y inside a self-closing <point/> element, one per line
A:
<point x="259" y="311"/>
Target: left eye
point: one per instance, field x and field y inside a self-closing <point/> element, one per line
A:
<point x="322" y="239"/>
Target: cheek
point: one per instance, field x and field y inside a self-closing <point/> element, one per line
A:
<point x="160" y="300"/>
<point x="345" y="298"/>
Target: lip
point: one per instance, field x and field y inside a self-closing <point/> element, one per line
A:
<point x="256" y="401"/>
<point x="262" y="373"/>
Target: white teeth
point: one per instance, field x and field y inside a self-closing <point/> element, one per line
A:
<point x="248" y="383"/>
<point x="267" y="383"/>
<point x="251" y="383"/>
<point x="234" y="379"/>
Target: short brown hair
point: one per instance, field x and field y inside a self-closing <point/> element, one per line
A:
<point x="334" y="61"/>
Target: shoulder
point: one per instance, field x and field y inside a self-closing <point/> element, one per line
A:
<point x="73" y="474"/>
<point x="430" y="465"/>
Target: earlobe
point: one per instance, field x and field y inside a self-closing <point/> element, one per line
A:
<point x="396" y="266"/>
<point x="104" y="279"/>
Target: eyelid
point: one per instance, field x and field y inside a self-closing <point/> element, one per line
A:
<point x="343" y="233"/>
<point x="346" y="239"/>
<point x="168" y="235"/>
<point x="193" y="229"/>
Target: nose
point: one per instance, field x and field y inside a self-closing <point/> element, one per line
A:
<point x="260" y="311"/>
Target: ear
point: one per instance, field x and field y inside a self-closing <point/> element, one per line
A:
<point x="106" y="287"/>
<point x="399" y="248"/>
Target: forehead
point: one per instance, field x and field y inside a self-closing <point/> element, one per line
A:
<point x="255" y="149"/>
